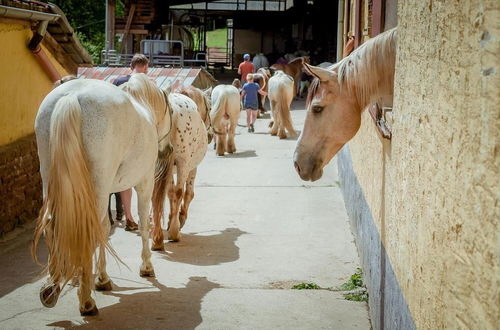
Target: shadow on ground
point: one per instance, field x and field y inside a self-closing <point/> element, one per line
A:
<point x="204" y="250"/>
<point x="158" y="308"/>
<point x="242" y="154"/>
<point x="18" y="267"/>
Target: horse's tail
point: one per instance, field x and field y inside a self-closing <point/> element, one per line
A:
<point x="283" y="111"/>
<point x="219" y="109"/>
<point x="69" y="216"/>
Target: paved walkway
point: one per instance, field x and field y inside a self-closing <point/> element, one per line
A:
<point x="255" y="230"/>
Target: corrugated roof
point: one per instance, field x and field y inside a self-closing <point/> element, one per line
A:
<point x="164" y="77"/>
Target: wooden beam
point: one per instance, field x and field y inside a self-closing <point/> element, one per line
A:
<point x="357" y="24"/>
<point x="377" y="18"/>
<point x="127" y="26"/>
<point x="111" y="23"/>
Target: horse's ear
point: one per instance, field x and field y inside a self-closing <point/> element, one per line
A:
<point x="168" y="90"/>
<point x="320" y="73"/>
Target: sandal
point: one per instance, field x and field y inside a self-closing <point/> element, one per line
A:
<point x="131" y="225"/>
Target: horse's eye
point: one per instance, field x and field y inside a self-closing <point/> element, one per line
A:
<point x="317" y="108"/>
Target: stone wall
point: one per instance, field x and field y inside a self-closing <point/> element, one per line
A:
<point x="433" y="191"/>
<point x="20" y="184"/>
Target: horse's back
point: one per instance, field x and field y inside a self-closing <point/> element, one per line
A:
<point x="230" y="95"/>
<point x="189" y="134"/>
<point x="280" y="83"/>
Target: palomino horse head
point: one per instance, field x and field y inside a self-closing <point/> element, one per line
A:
<point x="337" y="98"/>
<point x="332" y="119"/>
<point x="145" y="92"/>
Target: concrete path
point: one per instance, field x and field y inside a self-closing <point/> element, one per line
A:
<point x="255" y="230"/>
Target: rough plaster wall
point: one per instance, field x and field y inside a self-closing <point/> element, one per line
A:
<point x="442" y="181"/>
<point x="367" y="159"/>
<point x="23" y="83"/>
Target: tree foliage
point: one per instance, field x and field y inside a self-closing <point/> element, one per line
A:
<point x="88" y="20"/>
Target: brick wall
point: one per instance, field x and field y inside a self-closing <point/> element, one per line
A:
<point x="20" y="183"/>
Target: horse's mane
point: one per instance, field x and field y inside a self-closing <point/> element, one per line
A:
<point x="368" y="70"/>
<point x="148" y="95"/>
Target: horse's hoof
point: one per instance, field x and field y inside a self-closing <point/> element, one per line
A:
<point x="90" y="312"/>
<point x="158" y="247"/>
<point x="174" y="238"/>
<point x="99" y="286"/>
<point x="147" y="273"/>
<point x="282" y="137"/>
<point x="220" y="154"/>
<point x="49" y="294"/>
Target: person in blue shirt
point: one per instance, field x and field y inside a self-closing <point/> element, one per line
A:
<point x="250" y="94"/>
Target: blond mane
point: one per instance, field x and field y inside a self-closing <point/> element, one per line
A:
<point x="144" y="91"/>
<point x="369" y="70"/>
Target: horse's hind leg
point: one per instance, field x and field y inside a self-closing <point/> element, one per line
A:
<point x="87" y="304"/>
<point x="274" y="128"/>
<point x="102" y="281"/>
<point x="231" y="147"/>
<point x="188" y="197"/>
<point x="221" y="143"/>
<point x="175" y="194"/>
<point x="144" y="193"/>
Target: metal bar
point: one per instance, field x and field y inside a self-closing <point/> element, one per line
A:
<point x="357" y="24"/>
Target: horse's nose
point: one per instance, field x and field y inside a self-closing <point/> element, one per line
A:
<point x="297" y="167"/>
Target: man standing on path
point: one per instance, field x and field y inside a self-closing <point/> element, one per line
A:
<point x="139" y="64"/>
<point x="245" y="68"/>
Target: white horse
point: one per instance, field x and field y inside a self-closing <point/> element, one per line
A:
<point x="225" y="112"/>
<point x="189" y="140"/>
<point x="94" y="139"/>
<point x="281" y="92"/>
<point x="337" y="98"/>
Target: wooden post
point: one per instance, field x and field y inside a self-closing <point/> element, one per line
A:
<point x="377" y="18"/>
<point x="111" y="23"/>
<point x="357" y="24"/>
<point x="127" y="26"/>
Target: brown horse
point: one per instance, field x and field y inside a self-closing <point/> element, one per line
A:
<point x="293" y="69"/>
<point x="337" y="98"/>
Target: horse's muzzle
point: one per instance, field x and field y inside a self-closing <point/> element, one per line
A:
<point x="308" y="168"/>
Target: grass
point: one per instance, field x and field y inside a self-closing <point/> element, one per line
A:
<point x="354" y="288"/>
<point x="217" y="38"/>
<point x="306" y="286"/>
<point x="354" y="282"/>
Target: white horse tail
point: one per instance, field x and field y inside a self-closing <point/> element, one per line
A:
<point x="283" y="111"/>
<point x="219" y="109"/>
<point x="69" y="216"/>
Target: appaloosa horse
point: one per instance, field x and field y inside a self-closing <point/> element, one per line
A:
<point x="203" y="103"/>
<point x="293" y="69"/>
<point x="189" y="145"/>
<point x="281" y="97"/>
<point x="337" y="98"/>
<point x="94" y="139"/>
<point x="225" y="112"/>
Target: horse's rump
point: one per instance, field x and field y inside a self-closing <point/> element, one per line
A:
<point x="225" y="104"/>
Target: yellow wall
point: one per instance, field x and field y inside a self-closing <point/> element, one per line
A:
<point x="434" y="189"/>
<point x="23" y="83"/>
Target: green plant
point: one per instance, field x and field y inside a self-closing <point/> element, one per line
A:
<point x="306" y="286"/>
<point x="360" y="296"/>
<point x="354" y="282"/>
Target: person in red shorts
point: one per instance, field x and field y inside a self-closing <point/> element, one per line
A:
<point x="245" y="68"/>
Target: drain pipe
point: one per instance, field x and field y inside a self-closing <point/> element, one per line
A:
<point x="43" y="19"/>
<point x="39" y="53"/>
